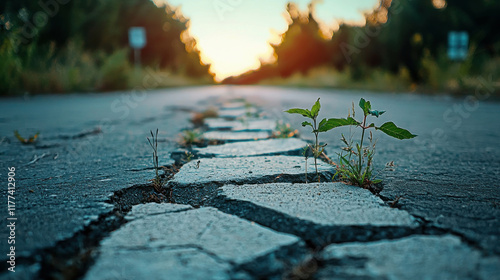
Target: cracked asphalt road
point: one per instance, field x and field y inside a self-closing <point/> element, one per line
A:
<point x="447" y="175"/>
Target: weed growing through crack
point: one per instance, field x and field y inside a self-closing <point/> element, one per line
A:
<point x="323" y="126"/>
<point x="191" y="137"/>
<point x="153" y="142"/>
<point x="29" y="140"/>
<point x="198" y="119"/>
<point x="249" y="113"/>
<point x="356" y="166"/>
<point x="189" y="156"/>
<point x="349" y="165"/>
<point x="284" y="130"/>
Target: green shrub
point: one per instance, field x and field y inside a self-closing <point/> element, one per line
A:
<point x="115" y="71"/>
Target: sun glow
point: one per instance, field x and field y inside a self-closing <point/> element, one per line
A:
<point x="233" y="55"/>
<point x="234" y="36"/>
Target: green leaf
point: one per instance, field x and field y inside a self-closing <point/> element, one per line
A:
<point x="362" y="103"/>
<point x="392" y="130"/>
<point x="365" y="106"/>
<point x="303" y="112"/>
<point x="376" y="113"/>
<point x="346" y="162"/>
<point x="315" y="109"/>
<point x="307" y="123"/>
<point x="333" y="123"/>
<point x="322" y="122"/>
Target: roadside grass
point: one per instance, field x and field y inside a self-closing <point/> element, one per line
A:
<point x="326" y="77"/>
<point x="46" y="69"/>
<point x="440" y="76"/>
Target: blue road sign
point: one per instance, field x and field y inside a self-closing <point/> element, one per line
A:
<point x="137" y="37"/>
<point x="458" y="45"/>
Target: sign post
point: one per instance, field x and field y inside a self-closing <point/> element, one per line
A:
<point x="137" y="40"/>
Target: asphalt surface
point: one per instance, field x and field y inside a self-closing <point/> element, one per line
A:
<point x="95" y="144"/>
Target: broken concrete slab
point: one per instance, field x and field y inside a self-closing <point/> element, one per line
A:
<point x="151" y="209"/>
<point x="193" y="243"/>
<point x="319" y="212"/>
<point x="198" y="180"/>
<point x="180" y="263"/>
<point x="283" y="146"/>
<point x="414" y="257"/>
<point x="241" y="125"/>
<point x="234" y="113"/>
<point x="233" y="105"/>
<point x="231" y="136"/>
<point x="322" y="203"/>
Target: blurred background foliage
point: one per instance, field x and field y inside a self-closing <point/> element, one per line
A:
<point x="402" y="47"/>
<point x="82" y="45"/>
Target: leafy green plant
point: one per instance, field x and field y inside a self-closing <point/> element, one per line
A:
<point x="323" y="126"/>
<point x="153" y="142"/>
<point x="357" y="165"/>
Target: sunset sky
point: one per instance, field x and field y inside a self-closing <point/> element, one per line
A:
<point x="233" y="35"/>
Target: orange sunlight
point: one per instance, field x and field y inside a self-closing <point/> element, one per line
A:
<point x="235" y="36"/>
<point x="233" y="55"/>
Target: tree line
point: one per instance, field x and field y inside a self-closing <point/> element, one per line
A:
<point x="399" y="35"/>
<point x="39" y="36"/>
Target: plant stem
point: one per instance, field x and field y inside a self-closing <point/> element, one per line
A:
<point x="156" y="156"/>
<point x="316" y="149"/>
<point x="306" y="170"/>
<point x="361" y="144"/>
